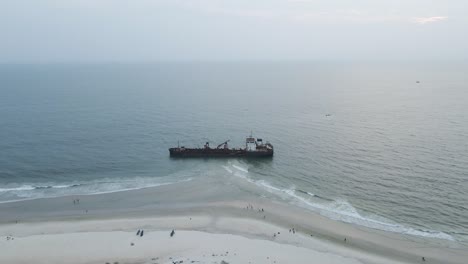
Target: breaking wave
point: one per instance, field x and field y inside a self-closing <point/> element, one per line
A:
<point x="31" y="191"/>
<point x="336" y="209"/>
<point x="31" y="187"/>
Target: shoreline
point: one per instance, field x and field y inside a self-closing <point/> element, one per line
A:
<point x="212" y="243"/>
<point x="158" y="210"/>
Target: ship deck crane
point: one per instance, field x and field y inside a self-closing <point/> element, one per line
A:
<point x="223" y="144"/>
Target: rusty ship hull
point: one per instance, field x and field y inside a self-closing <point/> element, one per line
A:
<point x="254" y="148"/>
<point x="217" y="153"/>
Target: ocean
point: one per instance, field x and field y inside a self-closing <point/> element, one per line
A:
<point x="382" y="145"/>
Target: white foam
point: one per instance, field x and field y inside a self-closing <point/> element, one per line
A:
<point x="93" y="188"/>
<point x="141" y="187"/>
<point x="240" y="168"/>
<point x="21" y="188"/>
<point x="342" y="210"/>
<point x="32" y="187"/>
<point x="63" y="186"/>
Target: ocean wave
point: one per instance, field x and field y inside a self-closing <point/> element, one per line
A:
<point x="341" y="210"/>
<point x="305" y="192"/>
<point x="21" y="188"/>
<point x="246" y="170"/>
<point x="31" y="187"/>
<point x="31" y="191"/>
<point x="141" y="187"/>
<point x="237" y="171"/>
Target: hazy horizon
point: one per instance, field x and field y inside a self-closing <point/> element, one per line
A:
<point x="121" y="31"/>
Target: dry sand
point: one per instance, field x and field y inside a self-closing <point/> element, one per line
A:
<point x="101" y="241"/>
<point x="102" y="228"/>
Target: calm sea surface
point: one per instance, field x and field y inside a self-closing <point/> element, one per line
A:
<point x="360" y="143"/>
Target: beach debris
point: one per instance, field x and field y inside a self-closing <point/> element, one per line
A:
<point x="141" y="233"/>
<point x="132" y="244"/>
<point x="172" y="233"/>
<point x="423" y="259"/>
<point x="138" y="232"/>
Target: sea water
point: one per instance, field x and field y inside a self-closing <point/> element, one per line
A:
<point x="383" y="145"/>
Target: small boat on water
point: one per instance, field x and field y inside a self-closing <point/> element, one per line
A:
<point x="254" y="147"/>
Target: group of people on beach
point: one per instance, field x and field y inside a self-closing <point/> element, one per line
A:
<point x="250" y="207"/>
<point x="141" y="232"/>
<point x="260" y="210"/>
<point x="76" y="201"/>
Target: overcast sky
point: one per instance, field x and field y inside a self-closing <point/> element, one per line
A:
<point x="164" y="30"/>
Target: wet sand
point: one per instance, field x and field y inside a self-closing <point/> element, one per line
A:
<point x="208" y="229"/>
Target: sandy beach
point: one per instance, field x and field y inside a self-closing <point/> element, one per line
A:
<point x="103" y="229"/>
<point x="115" y="241"/>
